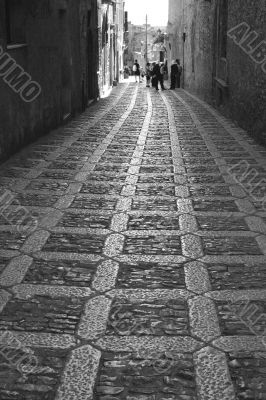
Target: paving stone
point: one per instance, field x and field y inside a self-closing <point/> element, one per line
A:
<point x="3" y="264"/>
<point x="90" y="188"/>
<point x="248" y="373"/>
<point x="230" y="246"/>
<point x="68" y="273"/>
<point x="66" y="165"/>
<point x="204" y="191"/>
<point x="165" y="317"/>
<point x="131" y="376"/>
<point x="154" y="204"/>
<point x="37" y="200"/>
<point x="151" y="244"/>
<point x="222" y="224"/>
<point x="35" y="374"/>
<point x="152" y="222"/>
<point x="70" y="243"/>
<point x="89" y="203"/>
<point x="42" y="314"/>
<point x="242" y="318"/>
<point x="157" y="170"/>
<point x="49" y="185"/>
<point x="151" y="276"/>
<point x="152" y="190"/>
<point x="12" y="240"/>
<point x="215" y="205"/>
<point x="64" y="175"/>
<point x="85" y="221"/>
<point x="237" y="276"/>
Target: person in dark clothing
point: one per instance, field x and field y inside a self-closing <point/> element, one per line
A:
<point x="176" y="72"/>
<point x="179" y="73"/>
<point x="152" y="75"/>
<point x="158" y="76"/>
<point x="136" y="71"/>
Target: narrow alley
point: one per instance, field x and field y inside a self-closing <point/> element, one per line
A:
<point x="140" y="270"/>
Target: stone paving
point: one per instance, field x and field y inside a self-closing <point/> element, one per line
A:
<point x="133" y="256"/>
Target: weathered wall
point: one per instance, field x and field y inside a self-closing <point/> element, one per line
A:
<point x="244" y="99"/>
<point x="55" y="57"/>
<point x="247" y="81"/>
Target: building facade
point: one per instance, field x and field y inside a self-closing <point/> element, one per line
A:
<point x="111" y="44"/>
<point x="222" y="46"/>
<point x="55" y="57"/>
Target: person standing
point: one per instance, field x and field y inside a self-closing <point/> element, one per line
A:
<point x="158" y="72"/>
<point x="174" y="73"/>
<point x="136" y="71"/>
<point x="148" y="74"/>
<point x="179" y="73"/>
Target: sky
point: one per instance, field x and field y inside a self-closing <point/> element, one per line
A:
<point x="157" y="11"/>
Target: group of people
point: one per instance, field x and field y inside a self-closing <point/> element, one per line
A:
<point x="157" y="72"/>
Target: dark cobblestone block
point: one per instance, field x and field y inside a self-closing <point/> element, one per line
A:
<point x="206" y="179"/>
<point x="153" y="190"/>
<point x="222" y="224"/>
<point x="156" y="161"/>
<point x="157" y="170"/>
<point x="3" y="264"/>
<point x="202" y="169"/>
<point x="65" y="175"/>
<point x="199" y="161"/>
<point x="239" y="276"/>
<point x="37" y="200"/>
<point x="78" y="158"/>
<point x="95" y="188"/>
<point x="248" y="373"/>
<point x="150" y="244"/>
<point x="242" y="318"/>
<point x="120" y="168"/>
<point x="156" y="318"/>
<point x="67" y="273"/>
<point x="152" y="222"/>
<point x="51" y="186"/>
<point x="231" y="246"/>
<point x="209" y="191"/>
<point x="44" y="367"/>
<point x="74" y="243"/>
<point x="11" y="240"/>
<point x="65" y="165"/>
<point x="153" y="204"/>
<point x="13" y="173"/>
<point x="158" y="154"/>
<point x="85" y="221"/>
<point x="156" y="179"/>
<point x="40" y="155"/>
<point x="22" y="163"/>
<point x="42" y="314"/>
<point x="93" y="204"/>
<point x="106" y="177"/>
<point x="215" y="205"/>
<point x="151" y="276"/>
<point x="165" y="376"/>
<point x="259" y="205"/>
<point x="115" y="158"/>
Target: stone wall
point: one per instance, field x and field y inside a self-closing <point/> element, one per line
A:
<point x="234" y="83"/>
<point x="54" y="55"/>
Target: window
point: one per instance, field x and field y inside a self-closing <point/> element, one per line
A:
<point x="15" y="21"/>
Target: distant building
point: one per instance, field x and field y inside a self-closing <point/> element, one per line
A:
<point x="136" y="44"/>
<point x="222" y="46"/>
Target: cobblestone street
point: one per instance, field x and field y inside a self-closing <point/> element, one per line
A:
<point x="140" y="270"/>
